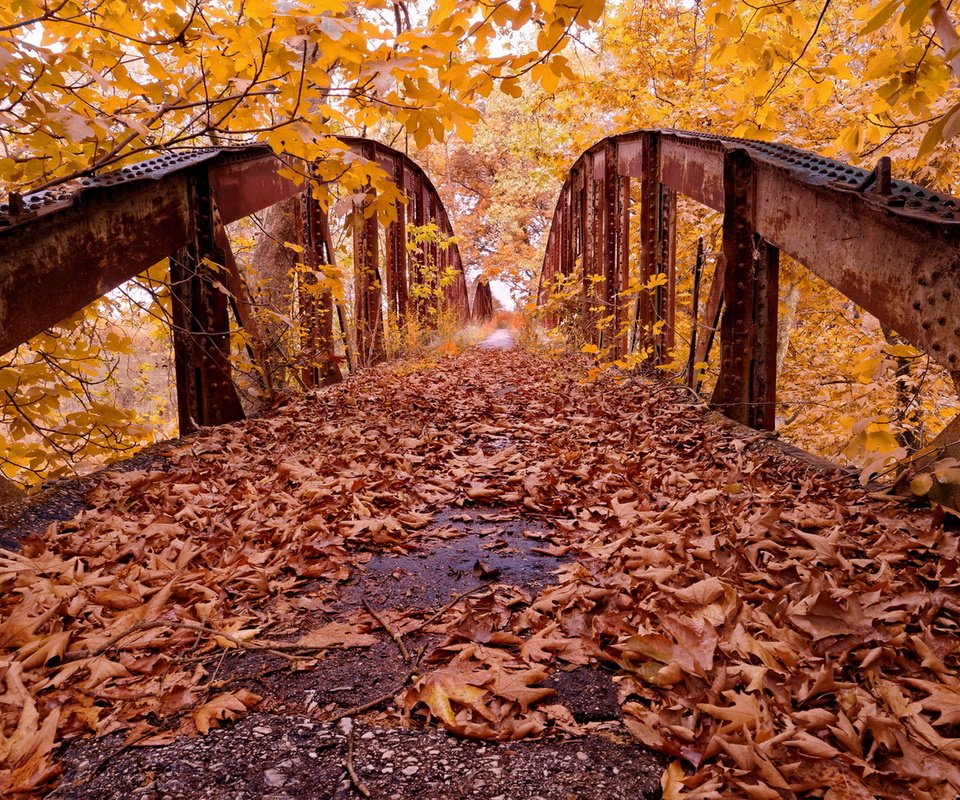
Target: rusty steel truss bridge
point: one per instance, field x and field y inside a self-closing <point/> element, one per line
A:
<point x="890" y="246"/>
<point x="62" y="249"/>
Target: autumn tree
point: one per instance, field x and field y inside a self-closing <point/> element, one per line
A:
<point x="848" y="80"/>
<point x="91" y="84"/>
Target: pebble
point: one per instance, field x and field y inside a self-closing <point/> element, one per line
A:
<point x="413" y="769"/>
<point x="260" y="730"/>
<point x="274" y="777"/>
<point x="581" y="756"/>
<point x="388" y="753"/>
<point x="367" y="735"/>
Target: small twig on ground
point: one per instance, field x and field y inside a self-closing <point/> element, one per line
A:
<point x="77" y="655"/>
<point x="281" y="649"/>
<point x="435" y="616"/>
<point x="389" y="629"/>
<point x="351" y="712"/>
<point x="346" y="726"/>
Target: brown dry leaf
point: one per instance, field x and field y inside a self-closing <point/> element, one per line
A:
<point x="788" y="622"/>
<point x="223" y="707"/>
<point x="822" y="616"/>
<point x="672" y="782"/>
<point x="115" y="599"/>
<point x="438" y="691"/>
<point x="485" y="572"/>
<point x="516" y="685"/>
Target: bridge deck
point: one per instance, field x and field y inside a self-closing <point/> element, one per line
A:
<point x="598" y="567"/>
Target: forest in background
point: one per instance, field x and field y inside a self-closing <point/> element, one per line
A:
<point x="495" y="101"/>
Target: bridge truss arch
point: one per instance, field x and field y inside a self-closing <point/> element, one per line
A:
<point x="890" y="246"/>
<point x="63" y="248"/>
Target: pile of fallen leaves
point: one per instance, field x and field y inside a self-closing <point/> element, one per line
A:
<point x="780" y="632"/>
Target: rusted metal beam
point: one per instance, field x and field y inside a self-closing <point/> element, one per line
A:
<point x="905" y="271"/>
<point x="483" y="302"/>
<point x="206" y="394"/>
<point x="315" y="301"/>
<point x="244" y="186"/>
<point x="657" y="254"/>
<point x="59" y="263"/>
<point x="610" y="219"/>
<point x="666" y="294"/>
<point x="649" y="236"/>
<point x="367" y="287"/>
<point x="693" y="166"/>
<point x="622" y="236"/>
<point x="747" y="385"/>
<point x="397" y="278"/>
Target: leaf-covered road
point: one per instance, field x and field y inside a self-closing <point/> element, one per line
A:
<point x="775" y="631"/>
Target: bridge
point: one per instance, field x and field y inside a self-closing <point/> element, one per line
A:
<point x="890" y="246"/>
<point x="61" y="249"/>
<point x="486" y="576"/>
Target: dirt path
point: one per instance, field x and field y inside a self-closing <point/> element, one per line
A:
<point x="580" y="574"/>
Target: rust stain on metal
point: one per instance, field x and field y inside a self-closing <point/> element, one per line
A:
<point x="63" y="248"/>
<point x="890" y="246"/>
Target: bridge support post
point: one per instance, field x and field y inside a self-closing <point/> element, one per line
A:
<point x="594" y="278"/>
<point x="315" y="304"/>
<point x="615" y="222"/>
<point x="206" y="394"/>
<point x="397" y="259"/>
<point x="367" y="287"/>
<point x="747" y="386"/>
<point x="658" y="212"/>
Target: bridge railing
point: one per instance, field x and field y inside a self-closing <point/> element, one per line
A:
<point x="890" y="246"/>
<point x="61" y="249"/>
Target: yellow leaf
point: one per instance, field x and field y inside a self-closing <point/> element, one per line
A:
<point x="921" y="484"/>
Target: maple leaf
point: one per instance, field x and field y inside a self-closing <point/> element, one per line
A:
<point x="544" y="644"/>
<point x="822" y="616"/>
<point x="226" y="706"/>
<point x="516" y="685"/>
<point x="940" y="698"/>
<point x="456" y="683"/>
<point x="743" y="711"/>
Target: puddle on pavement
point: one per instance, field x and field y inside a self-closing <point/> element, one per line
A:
<point x="431" y="576"/>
